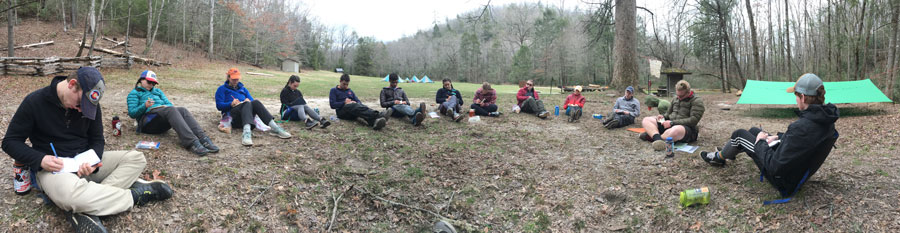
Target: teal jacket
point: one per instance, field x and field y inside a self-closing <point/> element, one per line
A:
<point x="139" y="96"/>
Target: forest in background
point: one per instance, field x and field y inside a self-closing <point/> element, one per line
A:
<point x="723" y="42"/>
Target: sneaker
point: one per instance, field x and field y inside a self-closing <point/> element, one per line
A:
<point x="387" y="114"/>
<point x="659" y="145"/>
<point x="612" y="124"/>
<point x="543" y="115"/>
<point x="206" y="142"/>
<point x="197" y="148"/>
<point x="324" y="123"/>
<point x="517" y="109"/>
<point x="22" y="182"/>
<point x="457" y="117"/>
<point x="279" y="132"/>
<point x="379" y="123"/>
<point x="311" y="124"/>
<point x="143" y="191"/>
<point x="418" y="119"/>
<point x="247" y="138"/>
<point x="84" y="223"/>
<point x="713" y="158"/>
<point x="495" y="114"/>
<point x="646" y="137"/>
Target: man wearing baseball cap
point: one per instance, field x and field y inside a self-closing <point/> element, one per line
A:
<point x="63" y="120"/>
<point x="626" y="109"/>
<point x="790" y="158"/>
<point x="679" y="122"/>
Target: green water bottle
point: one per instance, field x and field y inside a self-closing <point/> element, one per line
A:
<point x="694" y="197"/>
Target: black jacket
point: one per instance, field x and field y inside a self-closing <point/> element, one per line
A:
<point x="42" y="119"/>
<point x="804" y="147"/>
<point x="388" y="95"/>
<point x="443" y="93"/>
<point x="292" y="97"/>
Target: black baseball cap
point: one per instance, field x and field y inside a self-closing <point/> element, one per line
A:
<point x="92" y="87"/>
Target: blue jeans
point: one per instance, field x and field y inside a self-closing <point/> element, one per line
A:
<point x="451" y="104"/>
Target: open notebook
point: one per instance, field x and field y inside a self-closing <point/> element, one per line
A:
<point x="71" y="164"/>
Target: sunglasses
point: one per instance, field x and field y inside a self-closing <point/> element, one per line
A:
<point x="529" y="84"/>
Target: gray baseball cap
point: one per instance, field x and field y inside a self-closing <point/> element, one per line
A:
<point x="92" y="88"/>
<point x="807" y="85"/>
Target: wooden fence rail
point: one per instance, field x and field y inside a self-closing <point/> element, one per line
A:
<point x="45" y="66"/>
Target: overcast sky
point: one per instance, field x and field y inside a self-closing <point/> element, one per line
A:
<point x="389" y="20"/>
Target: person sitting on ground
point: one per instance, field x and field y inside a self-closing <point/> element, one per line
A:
<point x="296" y="108"/>
<point x="234" y="100"/>
<point x="802" y="149"/>
<point x="626" y="109"/>
<point x="63" y="120"/>
<point x="394" y="98"/>
<point x="679" y="122"/>
<point x="530" y="102"/>
<point x="156" y="114"/>
<point x="450" y="101"/>
<point x="661" y="105"/>
<point x="485" y="102"/>
<point x="348" y="107"/>
<point x="574" y="104"/>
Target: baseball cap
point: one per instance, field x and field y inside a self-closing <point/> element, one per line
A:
<point x="629" y="89"/>
<point x="234" y="73"/>
<point x="578" y="88"/>
<point x="808" y="84"/>
<point x="150" y="76"/>
<point x="92" y="87"/>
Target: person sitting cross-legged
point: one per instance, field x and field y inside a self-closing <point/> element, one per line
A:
<point x="296" y="108"/>
<point x="348" y="107"/>
<point x="626" y="109"/>
<point x="156" y="114"/>
<point x="235" y="100"/>
<point x="680" y="121"/>
<point x="530" y="102"/>
<point x="485" y="102"/>
<point x="450" y="100"/>
<point x="394" y="98"/>
<point x="574" y="104"/>
<point x="786" y="160"/>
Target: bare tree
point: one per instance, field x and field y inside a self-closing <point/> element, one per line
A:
<point x="151" y="36"/>
<point x="625" y="51"/>
<point x="212" y="13"/>
<point x="754" y="42"/>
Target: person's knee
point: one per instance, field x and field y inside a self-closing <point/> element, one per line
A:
<point x="135" y="157"/>
<point x="648" y="120"/>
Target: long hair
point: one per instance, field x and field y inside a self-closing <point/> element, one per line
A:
<point x="447" y="80"/>
<point x="292" y="79"/>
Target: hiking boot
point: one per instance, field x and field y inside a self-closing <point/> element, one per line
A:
<point x="83" y="223"/>
<point x="22" y="182"/>
<point x="422" y="107"/>
<point x="612" y="124"/>
<point x="206" y="142"/>
<point x="387" y="114"/>
<point x="418" y="119"/>
<point x="543" y="115"/>
<point x="310" y="124"/>
<point x="247" y="138"/>
<point x="379" y="123"/>
<point x="646" y="137"/>
<point x="494" y="114"/>
<point x="457" y="117"/>
<point x="279" y="132"/>
<point x="143" y="191"/>
<point x="324" y="123"/>
<point x="197" y="148"/>
<point x="659" y="145"/>
<point x="713" y="158"/>
<point x="578" y="114"/>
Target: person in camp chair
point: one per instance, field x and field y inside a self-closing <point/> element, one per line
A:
<point x="787" y="159"/>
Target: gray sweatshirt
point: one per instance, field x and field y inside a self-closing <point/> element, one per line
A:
<point x="632" y="106"/>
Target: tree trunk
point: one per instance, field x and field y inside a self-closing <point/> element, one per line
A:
<point x="892" y="72"/>
<point x="755" y="45"/>
<point x="87" y="26"/>
<point x="10" y="39"/>
<point x="74" y="13"/>
<point x="212" y="13"/>
<point x="62" y="11"/>
<point x="787" y="38"/>
<point x="625" y="71"/>
<point x="95" y="20"/>
<point x="128" y="27"/>
<point x="149" y="25"/>
<point x="858" y="44"/>
<point x="184" y="6"/>
<point x="152" y="36"/>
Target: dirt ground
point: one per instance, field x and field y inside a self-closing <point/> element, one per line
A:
<point x="515" y="173"/>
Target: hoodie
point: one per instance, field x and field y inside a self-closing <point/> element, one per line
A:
<point x="804" y="147"/>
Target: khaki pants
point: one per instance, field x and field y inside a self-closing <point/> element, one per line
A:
<point x="105" y="192"/>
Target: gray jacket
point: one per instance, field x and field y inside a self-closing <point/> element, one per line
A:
<point x="633" y="106"/>
<point x="388" y="95"/>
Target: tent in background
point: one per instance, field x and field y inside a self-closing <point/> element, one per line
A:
<point x="425" y="79"/>
<point x="415" y="79"/>
<point x="764" y="92"/>
<point x="386" y="79"/>
<point x="407" y="79"/>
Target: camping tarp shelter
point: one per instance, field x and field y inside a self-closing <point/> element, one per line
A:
<point x="407" y="79"/>
<point x="765" y="92"/>
<point x="425" y="79"/>
<point x="415" y="79"/>
<point x="386" y="79"/>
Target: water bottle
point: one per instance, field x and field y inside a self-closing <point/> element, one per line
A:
<point x="556" y="113"/>
<point x="691" y="197"/>
<point x="117" y="126"/>
<point x="317" y="111"/>
<point x="670" y="147"/>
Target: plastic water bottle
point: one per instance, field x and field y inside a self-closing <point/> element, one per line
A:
<point x="670" y="147"/>
<point x="691" y="197"/>
<point x="557" y="111"/>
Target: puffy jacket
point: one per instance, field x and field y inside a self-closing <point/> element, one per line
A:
<point x="804" y="147"/>
<point x="225" y="94"/>
<point x="687" y="111"/>
<point x="633" y="106"/>
<point x="337" y="96"/>
<point x="137" y="98"/>
<point x="443" y="93"/>
<point x="522" y="95"/>
<point x="389" y="94"/>
<point x="488" y="97"/>
<point x="573" y="99"/>
<point x="292" y="97"/>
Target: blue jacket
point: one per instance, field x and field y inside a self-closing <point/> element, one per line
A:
<point x="137" y="98"/>
<point x="337" y="96"/>
<point x="225" y="94"/>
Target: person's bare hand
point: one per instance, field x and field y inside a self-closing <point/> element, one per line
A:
<point x="772" y="138"/>
<point x="477" y="101"/>
<point x="762" y="136"/>
<point x="398" y="102"/>
<point x="246" y="100"/>
<point x="51" y="163"/>
<point x="348" y="101"/>
<point x="235" y="102"/>
<point x="660" y="117"/>
<point x="626" y="112"/>
<point x="85" y="170"/>
<point x="148" y="103"/>
<point x="667" y="124"/>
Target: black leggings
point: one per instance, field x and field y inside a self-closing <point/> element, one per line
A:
<point x="483" y="111"/>
<point x="244" y="112"/>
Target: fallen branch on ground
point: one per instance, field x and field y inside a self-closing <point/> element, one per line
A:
<point x="136" y="58"/>
<point x="334" y="210"/>
<point x="255" y="199"/>
<point x="39" y="44"/>
<point x="456" y="223"/>
<point x="261" y="74"/>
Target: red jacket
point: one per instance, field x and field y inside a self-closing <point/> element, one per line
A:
<point x="520" y="96"/>
<point x="576" y="100"/>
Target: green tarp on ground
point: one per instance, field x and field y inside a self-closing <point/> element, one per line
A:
<point x="764" y="92"/>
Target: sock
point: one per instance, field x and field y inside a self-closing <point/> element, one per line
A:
<point x="714" y="155"/>
<point x="272" y="124"/>
<point x="657" y="137"/>
<point x="246" y="127"/>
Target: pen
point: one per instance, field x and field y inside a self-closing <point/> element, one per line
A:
<point x="54" y="152"/>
